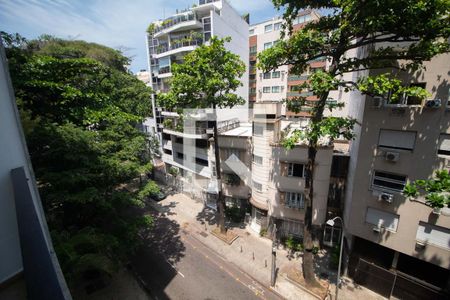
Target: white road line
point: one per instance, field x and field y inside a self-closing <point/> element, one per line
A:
<point x="175" y="268"/>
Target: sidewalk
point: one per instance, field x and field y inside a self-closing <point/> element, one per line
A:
<point x="249" y="252"/>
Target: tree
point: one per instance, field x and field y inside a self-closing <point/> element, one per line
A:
<point x="80" y="110"/>
<point x="207" y="78"/>
<point x="406" y="33"/>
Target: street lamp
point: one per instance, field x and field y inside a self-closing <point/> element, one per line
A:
<point x="331" y="223"/>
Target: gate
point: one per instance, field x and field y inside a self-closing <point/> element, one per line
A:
<point x="394" y="284"/>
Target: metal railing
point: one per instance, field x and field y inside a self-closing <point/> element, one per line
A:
<point x="300" y="94"/>
<point x="297" y="77"/>
<point x="177" y="45"/>
<point x="174" y="21"/>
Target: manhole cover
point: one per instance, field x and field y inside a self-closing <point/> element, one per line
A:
<point x="203" y="234"/>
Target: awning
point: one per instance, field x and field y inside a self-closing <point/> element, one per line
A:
<point x="259" y="204"/>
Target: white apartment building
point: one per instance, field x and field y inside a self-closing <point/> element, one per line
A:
<point x="185" y="144"/>
<point x="389" y="235"/>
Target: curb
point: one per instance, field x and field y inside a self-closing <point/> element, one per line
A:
<point x="301" y="287"/>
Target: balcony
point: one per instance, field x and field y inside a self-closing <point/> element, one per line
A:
<point x="297" y="77"/>
<point x="177" y="47"/>
<point x="300" y="94"/>
<point x="185" y="22"/>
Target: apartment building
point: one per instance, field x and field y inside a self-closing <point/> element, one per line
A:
<point x="278" y="174"/>
<point x="399" y="245"/>
<point x="278" y="84"/>
<point x="185" y="143"/>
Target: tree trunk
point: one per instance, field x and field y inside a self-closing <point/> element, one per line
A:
<point x="220" y="199"/>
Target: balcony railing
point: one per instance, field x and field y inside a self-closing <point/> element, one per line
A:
<point x="176" y="45"/>
<point x="201" y="2"/>
<point x="297" y="77"/>
<point x="300" y="94"/>
<point x="171" y="22"/>
<point x="164" y="70"/>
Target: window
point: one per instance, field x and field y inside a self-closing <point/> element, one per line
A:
<point x="252" y="90"/>
<point x="166" y="136"/>
<point x="251" y="32"/>
<point x="292" y="228"/>
<point x="252" y="76"/>
<point x="227" y="152"/>
<point x="179" y="140"/>
<point x="253" y="50"/>
<point x="276" y="74"/>
<point x="257" y="159"/>
<point x="331" y="235"/>
<point x="201" y="144"/>
<point x="295" y="200"/>
<point x="301" y="19"/>
<point x="201" y="161"/>
<point x="181" y="155"/>
<point x="382" y="219"/>
<point x="258" y="129"/>
<point x="167" y="151"/>
<point x="396" y="139"/>
<point x="267" y="45"/>
<point x="388" y="181"/>
<point x="268" y="28"/>
<point x="433" y="235"/>
<point x="266" y="75"/>
<point x="276" y="89"/>
<point x="444" y="144"/>
<point x="257" y="186"/>
<point x="277" y="26"/>
<point x="296" y="170"/>
<point x="266" y="89"/>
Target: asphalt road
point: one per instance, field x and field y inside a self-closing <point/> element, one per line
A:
<point x="176" y="265"/>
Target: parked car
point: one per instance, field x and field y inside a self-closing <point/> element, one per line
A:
<point x="158" y="196"/>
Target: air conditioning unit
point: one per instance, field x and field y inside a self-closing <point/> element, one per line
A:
<point x="433" y="103"/>
<point x="421" y="244"/>
<point x="378" y="101"/>
<point x="392" y="156"/>
<point x="386" y="197"/>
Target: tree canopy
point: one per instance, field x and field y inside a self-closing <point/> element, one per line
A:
<point x="80" y="109"/>
<point x="379" y="39"/>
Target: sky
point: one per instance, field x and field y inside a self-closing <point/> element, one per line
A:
<point x="119" y="24"/>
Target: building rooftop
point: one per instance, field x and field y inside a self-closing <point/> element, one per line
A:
<point x="244" y="129"/>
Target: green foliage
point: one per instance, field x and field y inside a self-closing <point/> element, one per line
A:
<point x="151" y="27"/>
<point x="263" y="232"/>
<point x="80" y="110"/>
<point x="174" y="171"/>
<point x="334" y="257"/>
<point x="150" y="188"/>
<point x="294" y="244"/>
<point x="436" y="190"/>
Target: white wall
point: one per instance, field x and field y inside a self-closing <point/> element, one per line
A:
<point x="230" y="23"/>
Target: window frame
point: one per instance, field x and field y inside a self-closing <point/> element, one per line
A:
<point x="266" y="90"/>
<point x="268" y="45"/>
<point x="295" y="200"/>
<point x="277" y="89"/>
<point x="255" y="185"/>
<point x="291" y="170"/>
<point x="268" y="28"/>
<point x="257" y="159"/>
<point x="389" y="180"/>
<point x="267" y="75"/>
<point x="277" y="26"/>
<point x="278" y="74"/>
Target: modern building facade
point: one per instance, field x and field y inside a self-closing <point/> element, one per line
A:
<point x="396" y="144"/>
<point x="185" y="143"/>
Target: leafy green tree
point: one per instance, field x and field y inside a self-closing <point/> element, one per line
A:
<point x="207" y="78"/>
<point x="436" y="190"/>
<point x="80" y="110"/>
<point x="406" y="33"/>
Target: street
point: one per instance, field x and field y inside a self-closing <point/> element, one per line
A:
<point x="175" y="265"/>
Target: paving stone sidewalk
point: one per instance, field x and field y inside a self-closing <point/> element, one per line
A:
<point x="250" y="252"/>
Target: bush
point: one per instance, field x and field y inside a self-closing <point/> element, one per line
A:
<point x="293" y="243"/>
<point x="151" y="188"/>
<point x="263" y="232"/>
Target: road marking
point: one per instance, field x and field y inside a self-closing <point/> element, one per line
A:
<point x="180" y="273"/>
<point x="175" y="268"/>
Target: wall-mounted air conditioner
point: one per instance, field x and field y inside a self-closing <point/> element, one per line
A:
<point x="433" y="103"/>
<point x="392" y="156"/>
<point x="386" y="197"/>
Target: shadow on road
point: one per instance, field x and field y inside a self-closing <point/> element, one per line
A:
<point x="155" y="260"/>
<point x="207" y="215"/>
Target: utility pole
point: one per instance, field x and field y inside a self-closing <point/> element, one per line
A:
<point x="274" y="255"/>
